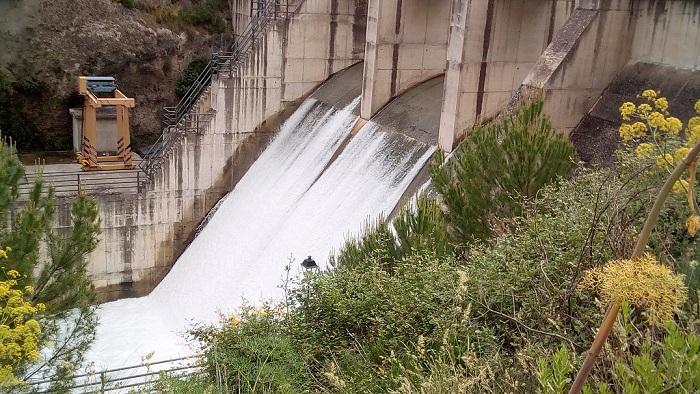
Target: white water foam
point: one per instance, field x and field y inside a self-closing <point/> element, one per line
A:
<point x="293" y="200"/>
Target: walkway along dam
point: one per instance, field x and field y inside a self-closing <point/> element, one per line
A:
<point x="320" y="116"/>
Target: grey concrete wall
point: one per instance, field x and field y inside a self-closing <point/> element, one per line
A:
<point x="293" y="58"/>
<point x="599" y="40"/>
<point x="493" y="45"/>
<point x="564" y="51"/>
<point x="406" y="45"/>
<point x="667" y="33"/>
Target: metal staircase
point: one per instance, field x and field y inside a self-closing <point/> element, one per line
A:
<point x="184" y="117"/>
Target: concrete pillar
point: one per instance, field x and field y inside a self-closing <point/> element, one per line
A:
<point x="450" y="101"/>
<point x="406" y="45"/>
<point x="367" y="107"/>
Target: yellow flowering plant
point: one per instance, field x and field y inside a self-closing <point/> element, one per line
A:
<point x="19" y="325"/>
<point x="652" y="133"/>
<point x="640" y="280"/>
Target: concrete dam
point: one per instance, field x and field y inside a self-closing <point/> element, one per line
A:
<point x="326" y="119"/>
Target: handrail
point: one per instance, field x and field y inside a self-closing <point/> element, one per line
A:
<point x="175" y="118"/>
<point x="76" y="182"/>
<point x="126" y="377"/>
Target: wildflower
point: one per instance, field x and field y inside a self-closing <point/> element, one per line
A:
<point x="657" y="121"/>
<point x="640" y="129"/>
<point x="260" y="312"/>
<point x="693" y="225"/>
<point x="664" y="161"/>
<point x="649" y="94"/>
<point x="29" y="290"/>
<point x="643" y="110"/>
<point x="642" y="282"/>
<point x="693" y="122"/>
<point x="661" y="104"/>
<point x="3" y="254"/>
<point x="626" y="132"/>
<point x="694" y="134"/>
<point x="697" y="106"/>
<point x="680" y="154"/>
<point x="627" y="109"/>
<point x="644" y="149"/>
<point x="674" y="125"/>
<point x="234" y="320"/>
<point x="681" y="186"/>
<point x="13" y="274"/>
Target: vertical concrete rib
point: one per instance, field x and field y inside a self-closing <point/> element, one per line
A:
<point x="453" y="75"/>
<point x="368" y="80"/>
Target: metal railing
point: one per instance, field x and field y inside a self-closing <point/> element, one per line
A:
<point x="70" y="183"/>
<point x="126" y="379"/>
<point x="183" y="117"/>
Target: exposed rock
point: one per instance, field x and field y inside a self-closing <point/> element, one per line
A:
<point x="54" y="41"/>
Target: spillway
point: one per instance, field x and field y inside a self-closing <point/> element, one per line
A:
<point x="313" y="186"/>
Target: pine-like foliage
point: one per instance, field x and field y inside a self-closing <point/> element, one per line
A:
<point x="53" y="262"/>
<point x="497" y="167"/>
<point x="417" y="227"/>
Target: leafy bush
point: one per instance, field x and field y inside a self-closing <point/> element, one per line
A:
<point x="189" y="76"/>
<point x="658" y="366"/>
<point x="253" y="353"/>
<point x="13" y="123"/>
<point x="419" y="227"/>
<point x="210" y="14"/>
<point x="128" y="3"/>
<point x="205" y="13"/>
<point x="497" y="167"/>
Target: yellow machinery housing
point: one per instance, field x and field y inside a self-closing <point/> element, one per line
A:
<point x="101" y="92"/>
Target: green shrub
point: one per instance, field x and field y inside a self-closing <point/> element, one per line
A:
<point x="207" y="13"/>
<point x="418" y="228"/>
<point x="189" y="76"/>
<point x="253" y="353"/>
<point x="13" y="121"/>
<point x="497" y="167"/>
<point x="666" y="365"/>
<point x="128" y="3"/>
<point x="363" y="321"/>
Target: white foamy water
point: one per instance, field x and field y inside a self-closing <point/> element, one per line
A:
<point x="291" y="201"/>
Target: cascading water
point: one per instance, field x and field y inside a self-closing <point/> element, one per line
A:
<point x="297" y="199"/>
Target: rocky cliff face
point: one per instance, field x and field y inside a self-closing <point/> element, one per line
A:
<point x="46" y="44"/>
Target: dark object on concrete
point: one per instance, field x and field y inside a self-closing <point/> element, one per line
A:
<point x="309" y="264"/>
